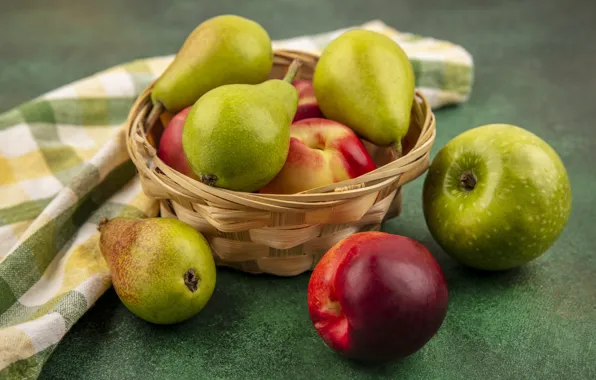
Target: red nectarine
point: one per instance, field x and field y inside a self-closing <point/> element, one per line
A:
<point x="307" y="102"/>
<point x="376" y="296"/>
<point x="170" y="145"/>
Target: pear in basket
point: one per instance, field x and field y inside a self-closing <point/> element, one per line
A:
<point x="364" y="80"/>
<point x="237" y="136"/>
<point x="222" y="50"/>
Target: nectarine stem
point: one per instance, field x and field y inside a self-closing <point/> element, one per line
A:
<point x="292" y="70"/>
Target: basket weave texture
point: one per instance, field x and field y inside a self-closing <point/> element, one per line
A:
<point x="277" y="234"/>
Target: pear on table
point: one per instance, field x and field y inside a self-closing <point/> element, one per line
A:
<point x="162" y="269"/>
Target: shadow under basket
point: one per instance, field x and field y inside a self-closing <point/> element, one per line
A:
<point x="283" y="235"/>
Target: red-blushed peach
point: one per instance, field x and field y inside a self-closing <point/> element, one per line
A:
<point x="307" y="102"/>
<point x="170" y="145"/>
<point x="376" y="296"/>
<point x="321" y="152"/>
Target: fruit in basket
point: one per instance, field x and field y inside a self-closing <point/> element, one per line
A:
<point x="162" y="269"/>
<point x="307" y="102"/>
<point x="237" y="136"/>
<point x="322" y="152"/>
<point x="365" y="80"/>
<point x="375" y="296"/>
<point x="496" y="197"/>
<point x="165" y="117"/>
<point x="170" y="145"/>
<point x="222" y="50"/>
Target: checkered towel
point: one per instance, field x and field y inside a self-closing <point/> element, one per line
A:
<point x="64" y="165"/>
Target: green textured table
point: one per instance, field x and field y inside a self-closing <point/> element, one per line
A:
<point x="534" y="68"/>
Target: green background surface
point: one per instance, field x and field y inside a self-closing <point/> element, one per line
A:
<point x="535" y="65"/>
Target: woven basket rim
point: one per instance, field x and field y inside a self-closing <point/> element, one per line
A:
<point x="401" y="170"/>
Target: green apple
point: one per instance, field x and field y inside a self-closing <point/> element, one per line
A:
<point x="496" y="197"/>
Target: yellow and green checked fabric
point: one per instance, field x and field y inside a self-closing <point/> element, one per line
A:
<point x="64" y="165"/>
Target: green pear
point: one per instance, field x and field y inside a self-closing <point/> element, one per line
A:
<point x="364" y="80"/>
<point x="222" y="50"/>
<point x="237" y="136"/>
<point x="162" y="269"/>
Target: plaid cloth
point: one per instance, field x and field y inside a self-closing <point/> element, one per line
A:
<point x="64" y="165"/>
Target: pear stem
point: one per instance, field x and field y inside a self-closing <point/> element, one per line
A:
<point x="292" y="70"/>
<point x="157" y="110"/>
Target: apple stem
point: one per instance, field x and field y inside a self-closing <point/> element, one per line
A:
<point x="191" y="280"/>
<point x="468" y="180"/>
<point x="292" y="71"/>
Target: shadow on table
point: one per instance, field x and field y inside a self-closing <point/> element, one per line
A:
<point x="457" y="273"/>
<point x="383" y="370"/>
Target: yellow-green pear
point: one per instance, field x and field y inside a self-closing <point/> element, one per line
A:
<point x="365" y="80"/>
<point x="237" y="136"/>
<point x="162" y="269"/>
<point x="222" y="50"/>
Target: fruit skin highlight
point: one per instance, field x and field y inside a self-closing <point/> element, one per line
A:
<point x="377" y="297"/>
<point x="321" y="152"/>
<point x="496" y="197"/>
<point x="162" y="269"/>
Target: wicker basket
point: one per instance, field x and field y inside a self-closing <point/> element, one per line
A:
<point x="283" y="235"/>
